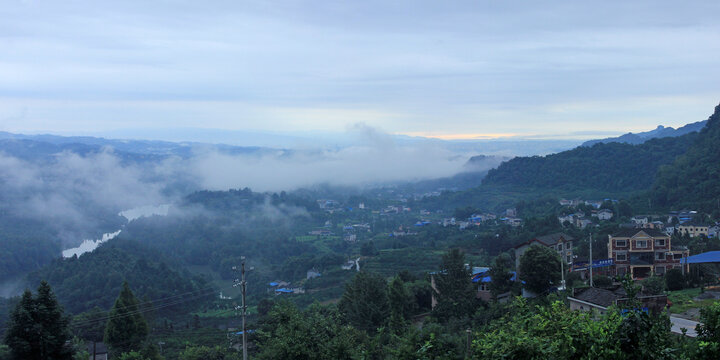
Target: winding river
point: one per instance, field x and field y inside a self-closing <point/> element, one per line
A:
<point x="131" y="214"/>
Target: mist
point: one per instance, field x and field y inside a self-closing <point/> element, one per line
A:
<point x="77" y="195"/>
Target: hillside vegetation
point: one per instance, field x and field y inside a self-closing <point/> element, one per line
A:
<point x="613" y="167"/>
<point x="693" y="179"/>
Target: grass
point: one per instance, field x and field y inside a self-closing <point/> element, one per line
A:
<point x="683" y="300"/>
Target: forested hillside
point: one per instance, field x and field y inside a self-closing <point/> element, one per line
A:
<point x="95" y="279"/>
<point x="612" y="167"/>
<point x="693" y="180"/>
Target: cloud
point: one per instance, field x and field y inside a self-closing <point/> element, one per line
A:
<point x="408" y="66"/>
<point x="375" y="158"/>
<point x="75" y="195"/>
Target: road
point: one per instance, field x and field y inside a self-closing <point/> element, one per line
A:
<point x="678" y="323"/>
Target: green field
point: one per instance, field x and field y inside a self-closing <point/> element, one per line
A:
<point x="415" y="260"/>
<point x="683" y="300"/>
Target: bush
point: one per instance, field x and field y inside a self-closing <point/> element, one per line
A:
<point x="674" y="279"/>
<point x="654" y="285"/>
<point x="602" y="281"/>
<point x="572" y="279"/>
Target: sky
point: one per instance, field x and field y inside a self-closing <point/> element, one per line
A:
<point x="446" y="69"/>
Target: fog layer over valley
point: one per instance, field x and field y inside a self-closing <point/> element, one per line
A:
<point x="58" y="196"/>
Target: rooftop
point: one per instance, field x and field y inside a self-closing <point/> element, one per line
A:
<point x="633" y="232"/>
<point x="555" y="238"/>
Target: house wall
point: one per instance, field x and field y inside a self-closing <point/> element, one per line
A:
<point x="693" y="231"/>
<point x="658" y="246"/>
<point x="578" y="305"/>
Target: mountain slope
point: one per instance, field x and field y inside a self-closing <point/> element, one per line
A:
<point x="693" y="180"/>
<point x="659" y="132"/>
<point x="612" y="167"/>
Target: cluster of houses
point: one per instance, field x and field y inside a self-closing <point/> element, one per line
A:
<point x="580" y="220"/>
<point x="678" y="222"/>
<point x="575" y="202"/>
<point x="508" y="218"/>
<point x="640" y="252"/>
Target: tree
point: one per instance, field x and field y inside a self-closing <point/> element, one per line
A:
<point x="500" y="275"/>
<point x="364" y="304"/>
<point x="38" y="329"/>
<point x="90" y="325"/>
<point x="624" y="209"/>
<point x="674" y="279"/>
<point x="454" y="289"/>
<point x="401" y="303"/>
<point x="316" y="333"/>
<point x="654" y="285"/>
<point x="540" y="268"/>
<point x="126" y="329"/>
<point x="368" y="249"/>
<point x="709" y="331"/>
<point x="600" y="280"/>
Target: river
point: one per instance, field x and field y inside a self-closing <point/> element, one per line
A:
<point x="130" y="214"/>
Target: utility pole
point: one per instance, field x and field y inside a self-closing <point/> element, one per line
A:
<point x="590" y="263"/>
<point x="243" y="307"/>
<point x="468" y="332"/>
<point x="562" y="268"/>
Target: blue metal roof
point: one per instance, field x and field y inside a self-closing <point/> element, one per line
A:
<point x="708" y="257"/>
<point x="240" y="332"/>
<point x="485" y="278"/>
<point x="273" y="284"/>
<point x="284" y="290"/>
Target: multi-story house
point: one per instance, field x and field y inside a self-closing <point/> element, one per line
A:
<point x="560" y="242"/>
<point x="694" y="229"/>
<point x="643" y="252"/>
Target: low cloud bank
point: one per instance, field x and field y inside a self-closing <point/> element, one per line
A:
<point x="70" y="191"/>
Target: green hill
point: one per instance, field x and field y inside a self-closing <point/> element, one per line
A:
<point x="95" y="278"/>
<point x="611" y="168"/>
<point x="693" y="179"/>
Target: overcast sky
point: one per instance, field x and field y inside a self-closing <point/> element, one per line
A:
<point x="453" y="69"/>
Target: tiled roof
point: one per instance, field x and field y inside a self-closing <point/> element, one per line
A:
<point x="694" y="223"/>
<point x="633" y="232"/>
<point x="597" y="296"/>
<point x="554" y="238"/>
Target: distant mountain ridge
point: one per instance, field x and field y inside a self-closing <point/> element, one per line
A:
<point x="38" y="147"/>
<point x="659" y="132"/>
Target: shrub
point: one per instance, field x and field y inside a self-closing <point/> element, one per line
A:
<point x="674" y="279"/>
<point x="602" y="281"/>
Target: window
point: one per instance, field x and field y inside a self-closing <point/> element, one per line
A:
<point x="569" y="259"/>
<point x="560" y="247"/>
<point x="660" y="255"/>
<point x="621" y="243"/>
<point x="677" y="256"/>
<point x="621" y="256"/>
<point x="641" y="244"/>
<point x="568" y="246"/>
<point x="660" y="270"/>
<point x="660" y="242"/>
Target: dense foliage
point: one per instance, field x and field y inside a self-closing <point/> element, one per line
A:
<point x="540" y="268"/>
<point x="26" y="245"/>
<point x="126" y="328"/>
<point x="612" y="167"/>
<point x="95" y="278"/>
<point x="38" y="329"/>
<point x="693" y="179"/>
